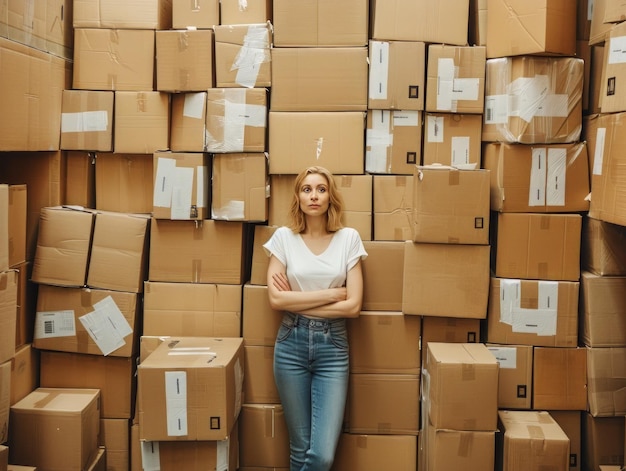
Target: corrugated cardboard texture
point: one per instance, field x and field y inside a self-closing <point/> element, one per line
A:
<point x="259" y="386"/>
<point x="232" y="13"/>
<point x="124" y="182"/>
<point x="142" y="122"/>
<point x="141" y="14"/>
<point x="260" y="321"/>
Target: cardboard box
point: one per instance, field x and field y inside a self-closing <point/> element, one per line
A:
<point x="263" y="438"/>
<point x="612" y="96"/>
<point x="66" y="422"/>
<point x="383" y="276"/>
<point x="236" y="120"/>
<point x="113" y="376"/>
<point x="603" y="247"/>
<point x="192" y="252"/>
<point x="319" y="79"/>
<point x="63" y="246"/>
<point x="200" y="14"/>
<point x="516" y="28"/>
<point x="142" y="14"/>
<point x="115" y="439"/>
<point x="602" y="309"/>
<point x="14" y="204"/>
<point x="449" y="330"/>
<point x="8" y="314"/>
<point x="142" y="122"/>
<point x="375" y="452"/>
<point x="614" y="12"/>
<point x="422" y="20"/>
<point x="240" y="187"/>
<point x="606" y="379"/>
<point x="533" y="100"/>
<point x="463" y="386"/>
<point x="81" y="171"/>
<point x="188" y="309"/>
<point x="184" y="60"/>
<point x="452" y="139"/>
<point x="396" y="75"/>
<point x="5" y="399"/>
<point x="551" y="178"/>
<point x="570" y="422"/>
<point x="538" y="246"/>
<point x="559" y="378"/>
<point x="32" y="87"/>
<point x="87" y="120"/>
<point x="242" y="55"/>
<point x="119" y="252"/>
<point x="332" y="140"/>
<point x="86" y="320"/>
<point x="370" y="336"/>
<point x="530" y="441"/>
<point x="515" y="376"/>
<point x="603" y="441"/>
<point x="113" y="59"/>
<point x="181" y="185"/>
<point x="455" y="80"/>
<point x="259" y="386"/>
<point x="320" y="23"/>
<point x="449" y="280"/>
<point x="188" y="124"/>
<point x="392" y="207"/>
<point x="45" y="25"/>
<point x="260" y="260"/>
<point x="124" y="182"/>
<point x="393" y="141"/>
<point x="233" y="12"/>
<point x="457" y="449"/>
<point x="260" y="321"/>
<point x="450" y="205"/>
<point x="24" y="372"/>
<point x="184" y="396"/>
<point x="383" y="404"/>
<point x="533" y="312"/>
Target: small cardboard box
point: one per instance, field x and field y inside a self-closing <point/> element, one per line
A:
<point x="612" y="96"/>
<point x="141" y="14"/>
<point x="260" y="321"/>
<point x="463" y="388"/>
<point x="602" y="310"/>
<point x="5" y="399"/>
<point x="142" y="122"/>
<point x="87" y="120"/>
<point x="259" y="386"/>
<point x="190" y="388"/>
<point x="559" y="378"/>
<point x="452" y="139"/>
<point x="66" y="422"/>
<point x="450" y="205"/>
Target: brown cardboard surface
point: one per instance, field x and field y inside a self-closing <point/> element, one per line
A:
<point x="370" y="452"/>
<point x="602" y="310"/>
<point x="260" y="321"/>
<point x="142" y="14"/>
<point x="606" y="379"/>
<point x="383" y="276"/>
<point x="142" y="122"/>
<point x="452" y="139"/>
<point x="124" y="182"/>
<point x="392" y="207"/>
<point x="559" y="378"/>
<point x="87" y="120"/>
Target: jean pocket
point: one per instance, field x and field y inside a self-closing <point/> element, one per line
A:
<point x="284" y="332"/>
<point x="339" y="337"/>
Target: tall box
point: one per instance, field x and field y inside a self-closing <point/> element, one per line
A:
<point x="113" y="59"/>
<point x="455" y="80"/>
<point x="550" y="178"/>
<point x="190" y="388"/>
<point x="392" y="207"/>
<point x="393" y="141"/>
<point x="533" y="312"/>
<point x="184" y="60"/>
<point x="65" y="423"/>
<point x="87" y="120"/>
<point x="142" y="14"/>
<point x="559" y="378"/>
<point x="516" y="27"/>
<point x="448" y="280"/>
<point x="63" y="246"/>
<point x="142" y="122"/>
<point x="422" y="20"/>
<point x="533" y="100"/>
<point x="531" y="441"/>
<point x="181" y="185"/>
<point x="124" y="182"/>
<point x="396" y="75"/>
<point x="383" y="276"/>
<point x="319" y="79"/>
<point x="315" y="23"/>
<point x="538" y="246"/>
<point x="452" y="139"/>
<point x="242" y="55"/>
<point x="463" y="386"/>
<point x="450" y="205"/>
<point x="602" y="310"/>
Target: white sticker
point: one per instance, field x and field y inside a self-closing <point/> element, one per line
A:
<point x="460" y="151"/>
<point x="202" y="186"/>
<point x="467" y="89"/>
<point x="405" y="118"/>
<point x="150" y="456"/>
<point x="106" y="325"/>
<point x="182" y="188"/>
<point x="506" y="356"/>
<point x="496" y="109"/>
<point x="534" y="321"/>
<point x="510" y="299"/>
<point x="176" y="403"/>
<point x="193" y="106"/>
<point x="617" y="50"/>
<point x="379" y="70"/>
<point x="538" y="171"/>
<point x="86" y="121"/>
<point x="51" y="324"/>
<point x="434" y="128"/>
<point x="445" y="83"/>
<point x="555" y="179"/>
<point x="598" y="152"/>
<point x="541" y="321"/>
<point x="163" y="182"/>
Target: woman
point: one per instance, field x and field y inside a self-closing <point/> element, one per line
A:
<point x="314" y="276"/>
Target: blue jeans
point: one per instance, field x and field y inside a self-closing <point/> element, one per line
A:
<point x="311" y="371"/>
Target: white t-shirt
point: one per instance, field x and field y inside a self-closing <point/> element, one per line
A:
<point x="307" y="271"/>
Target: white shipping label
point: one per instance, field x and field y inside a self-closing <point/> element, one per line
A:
<point x="510" y="299"/>
<point x="434" y="128"/>
<point x="176" y="403"/>
<point x="193" y="107"/>
<point x="598" y="152"/>
<point x="445" y="83"/>
<point x="163" y="182"/>
<point x="555" y="180"/>
<point x="379" y="70"/>
<point x="49" y="324"/>
<point x="182" y="189"/>
<point x="460" y="151"/>
<point x="617" y="50"/>
<point x="538" y="171"/>
<point x="496" y="109"/>
<point x="202" y="186"/>
<point x="378" y="142"/>
<point x="506" y="356"/>
<point x="106" y="325"/>
<point x="150" y="456"/>
<point x="534" y="321"/>
<point x="467" y="89"/>
<point x="406" y="118"/>
<point x="86" y="121"/>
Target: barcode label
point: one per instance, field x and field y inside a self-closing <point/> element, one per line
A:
<point x="48" y="327"/>
<point x="51" y="324"/>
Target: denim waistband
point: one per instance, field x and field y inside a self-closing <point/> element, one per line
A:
<point x="312" y="323"/>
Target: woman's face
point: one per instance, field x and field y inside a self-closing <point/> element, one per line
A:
<point x="314" y="196"/>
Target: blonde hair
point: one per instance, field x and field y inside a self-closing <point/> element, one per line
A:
<point x="297" y="221"/>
